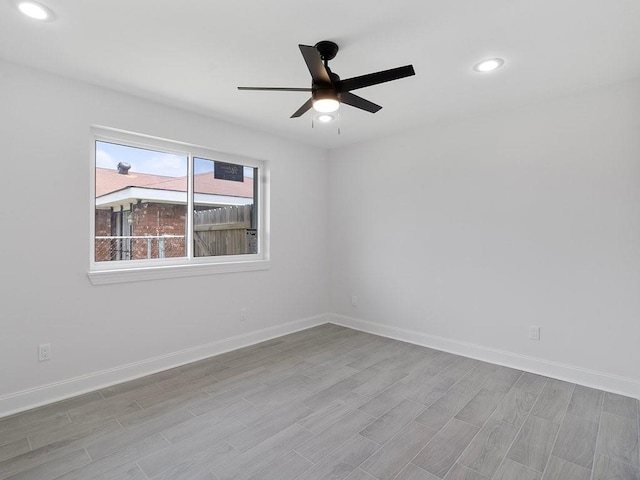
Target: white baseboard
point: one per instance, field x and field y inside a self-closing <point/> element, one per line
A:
<point x="34" y="397"/>
<point x="590" y="378"/>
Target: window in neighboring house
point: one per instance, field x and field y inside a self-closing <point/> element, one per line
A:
<point x="159" y="203"/>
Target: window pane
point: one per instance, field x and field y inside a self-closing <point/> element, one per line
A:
<point x="225" y="208"/>
<point x="140" y="204"/>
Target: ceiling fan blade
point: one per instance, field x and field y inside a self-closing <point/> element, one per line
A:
<point x="375" y="78"/>
<point x="317" y="69"/>
<point x="277" y="89"/>
<point x="359" y="102"/>
<point x="306" y="106"/>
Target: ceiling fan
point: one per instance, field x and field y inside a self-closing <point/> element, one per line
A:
<point x="327" y="89"/>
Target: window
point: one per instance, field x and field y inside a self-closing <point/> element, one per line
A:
<point x="164" y="209"/>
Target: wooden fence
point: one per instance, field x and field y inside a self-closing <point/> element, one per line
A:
<point x="222" y="231"/>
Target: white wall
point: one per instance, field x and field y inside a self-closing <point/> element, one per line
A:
<point x="106" y="333"/>
<point x="461" y="234"/>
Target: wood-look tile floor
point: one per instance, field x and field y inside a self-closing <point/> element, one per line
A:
<point x="329" y="403"/>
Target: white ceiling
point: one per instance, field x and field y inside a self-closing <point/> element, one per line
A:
<point x="194" y="53"/>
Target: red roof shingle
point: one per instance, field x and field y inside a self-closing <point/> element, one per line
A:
<point x="108" y="181"/>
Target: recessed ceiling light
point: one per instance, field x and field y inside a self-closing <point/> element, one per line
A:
<point x="35" y="10"/>
<point x="488" y="65"/>
<point x="326" y="118"/>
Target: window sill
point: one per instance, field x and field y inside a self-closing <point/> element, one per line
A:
<point x="104" y="277"/>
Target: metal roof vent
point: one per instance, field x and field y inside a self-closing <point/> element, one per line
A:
<point x="123" y="168"/>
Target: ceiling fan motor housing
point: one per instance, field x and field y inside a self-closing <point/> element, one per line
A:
<point x="326" y="92"/>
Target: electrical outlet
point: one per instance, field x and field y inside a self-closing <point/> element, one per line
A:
<point x="243" y="314"/>
<point x="44" y="352"/>
<point x="534" y="332"/>
<point x="354" y="300"/>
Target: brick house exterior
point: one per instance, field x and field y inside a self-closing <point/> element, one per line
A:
<point x="133" y="206"/>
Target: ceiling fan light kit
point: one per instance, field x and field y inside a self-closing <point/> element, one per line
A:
<point x="325" y="101"/>
<point x="327" y="90"/>
<point x="325" y="118"/>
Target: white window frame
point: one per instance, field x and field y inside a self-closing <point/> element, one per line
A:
<point x="153" y="269"/>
